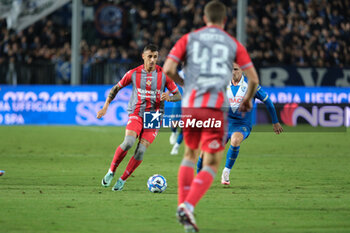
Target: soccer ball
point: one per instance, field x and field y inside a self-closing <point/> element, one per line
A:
<point x="156" y="183"/>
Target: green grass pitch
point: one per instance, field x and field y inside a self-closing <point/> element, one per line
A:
<point x="294" y="182"/>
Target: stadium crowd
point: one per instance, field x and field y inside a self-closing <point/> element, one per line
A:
<point x="279" y="32"/>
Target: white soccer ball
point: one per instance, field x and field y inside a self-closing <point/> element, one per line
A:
<point x="156" y="183"/>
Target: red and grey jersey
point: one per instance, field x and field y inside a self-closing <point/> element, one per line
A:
<point x="209" y="54"/>
<point x="147" y="89"/>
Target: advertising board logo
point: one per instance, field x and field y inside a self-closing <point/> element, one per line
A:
<point x="287" y="113"/>
<point x="325" y="116"/>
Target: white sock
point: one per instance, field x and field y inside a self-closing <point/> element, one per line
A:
<point x="121" y="179"/>
<point x="189" y="206"/>
<point x="227" y="170"/>
<point x="109" y="171"/>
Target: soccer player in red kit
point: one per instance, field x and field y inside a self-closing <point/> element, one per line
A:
<point x="208" y="53"/>
<point x="148" y="94"/>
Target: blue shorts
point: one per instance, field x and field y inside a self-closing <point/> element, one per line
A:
<point x="243" y="129"/>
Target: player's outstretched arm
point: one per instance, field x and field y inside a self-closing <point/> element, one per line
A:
<point x="174" y="98"/>
<point x="170" y="69"/>
<point x="111" y="96"/>
<point x="253" y="82"/>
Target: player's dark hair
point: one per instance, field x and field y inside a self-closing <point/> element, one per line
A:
<point x="215" y="12"/>
<point x="151" y="47"/>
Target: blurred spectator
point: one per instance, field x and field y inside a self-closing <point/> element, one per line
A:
<point x="297" y="32"/>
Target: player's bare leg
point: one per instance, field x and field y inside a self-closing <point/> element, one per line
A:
<point x="134" y="162"/>
<point x="231" y="156"/>
<point x="120" y="153"/>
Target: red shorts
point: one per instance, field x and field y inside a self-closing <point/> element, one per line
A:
<point x="135" y="123"/>
<point x="211" y="135"/>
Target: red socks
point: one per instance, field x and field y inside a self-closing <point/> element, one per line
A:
<point x="132" y="165"/>
<point x="199" y="186"/>
<point x="118" y="157"/>
<point x="184" y="180"/>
